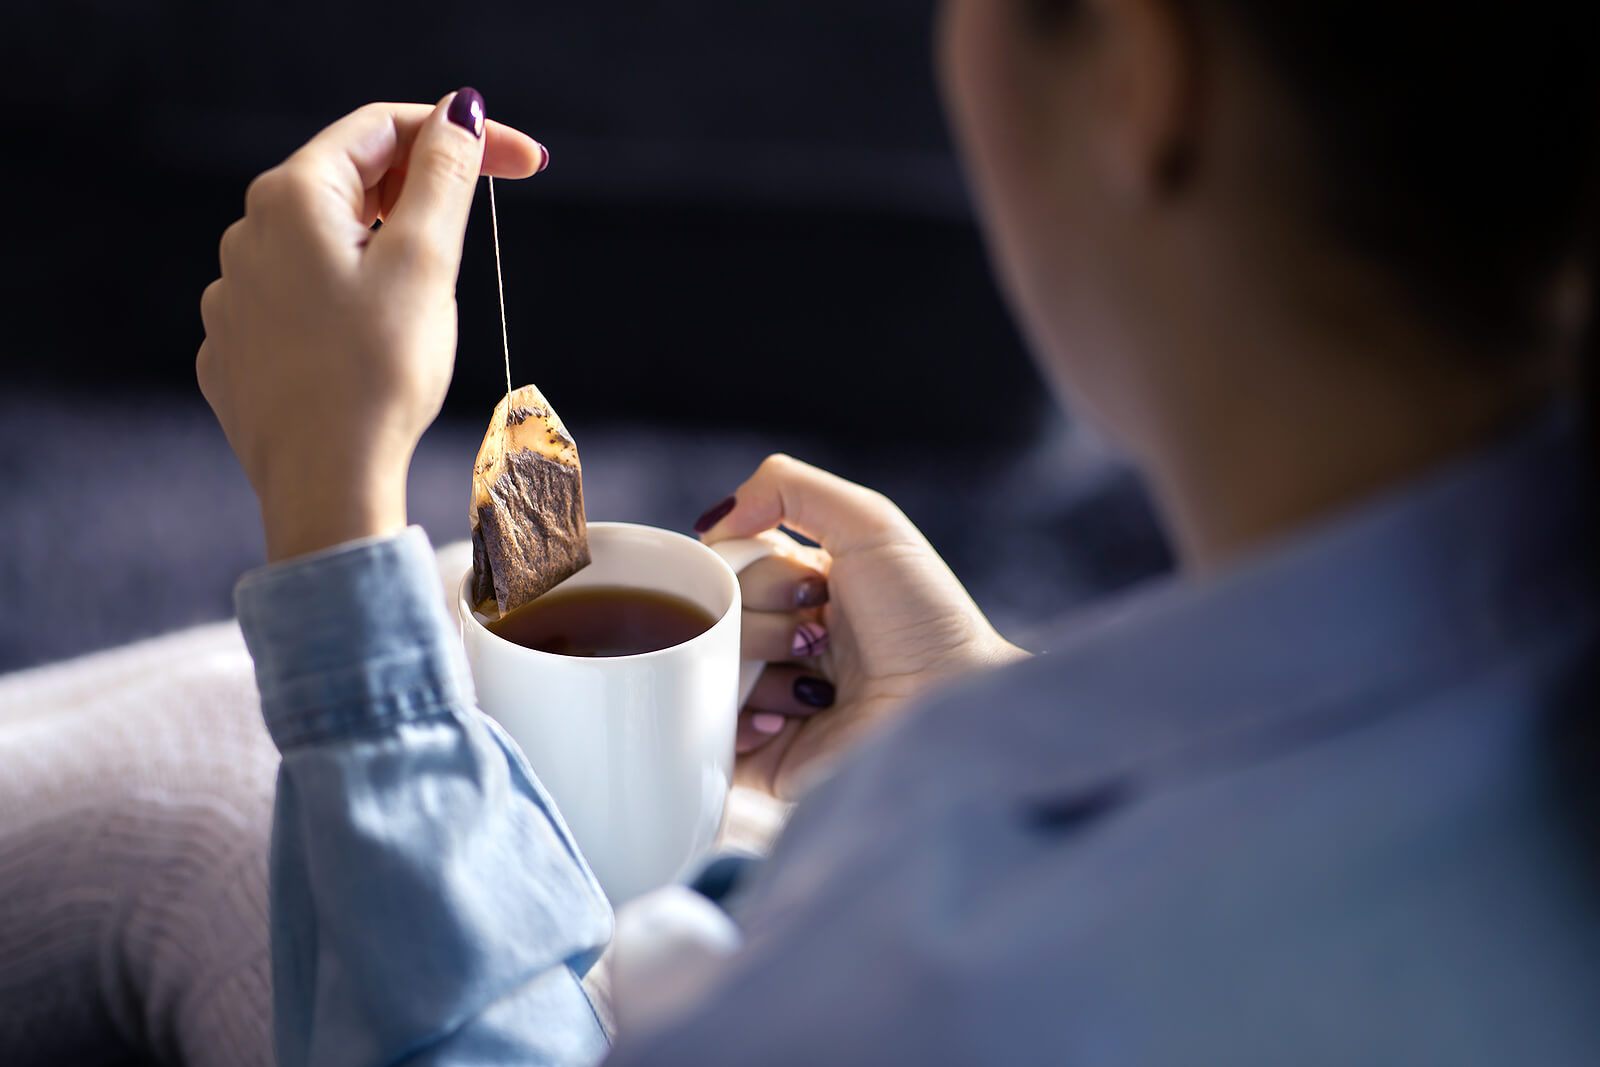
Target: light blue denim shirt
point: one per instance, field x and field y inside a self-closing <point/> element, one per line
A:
<point x="1337" y="806"/>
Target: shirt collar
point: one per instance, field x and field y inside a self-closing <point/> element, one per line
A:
<point x="1415" y="588"/>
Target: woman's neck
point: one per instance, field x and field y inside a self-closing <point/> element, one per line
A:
<point x="1252" y="436"/>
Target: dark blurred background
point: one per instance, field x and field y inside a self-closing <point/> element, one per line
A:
<point x="753" y="237"/>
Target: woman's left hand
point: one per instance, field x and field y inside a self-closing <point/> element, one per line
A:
<point x="329" y="346"/>
<point x="853" y="631"/>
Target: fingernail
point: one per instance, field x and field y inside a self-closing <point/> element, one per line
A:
<point x="810" y="639"/>
<point x="765" y="722"/>
<point x="811" y="593"/>
<point x="466" y="111"/>
<point x="546" y="162"/>
<point x="714" y="516"/>
<point x="814" y="692"/>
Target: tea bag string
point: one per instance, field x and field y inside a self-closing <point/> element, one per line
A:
<point x="500" y="283"/>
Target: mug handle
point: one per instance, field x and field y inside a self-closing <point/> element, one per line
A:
<point x="739" y="553"/>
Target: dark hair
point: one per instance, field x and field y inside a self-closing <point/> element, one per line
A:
<point x="1461" y="145"/>
<point x="1462" y="141"/>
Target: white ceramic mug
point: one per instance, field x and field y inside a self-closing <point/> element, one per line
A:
<point x="637" y="751"/>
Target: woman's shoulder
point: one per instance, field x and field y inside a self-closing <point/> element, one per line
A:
<point x="1446" y="630"/>
<point x="1355" y="781"/>
<point x="1476" y="584"/>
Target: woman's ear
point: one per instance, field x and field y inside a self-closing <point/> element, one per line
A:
<point x="1148" y="68"/>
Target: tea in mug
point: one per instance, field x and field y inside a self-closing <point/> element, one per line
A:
<point x="603" y="621"/>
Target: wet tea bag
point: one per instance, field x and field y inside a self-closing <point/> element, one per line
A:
<point x="528" y="527"/>
<point x="528" y="530"/>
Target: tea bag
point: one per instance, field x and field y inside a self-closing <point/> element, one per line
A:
<point x="528" y="527"/>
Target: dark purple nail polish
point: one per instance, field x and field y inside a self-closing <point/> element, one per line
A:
<point x="466" y="111"/>
<point x="811" y="593"/>
<point x="814" y="692"/>
<point x="546" y="163"/>
<point x="714" y="516"/>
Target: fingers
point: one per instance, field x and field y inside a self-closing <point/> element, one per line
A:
<point x="428" y="222"/>
<point x="205" y="373"/>
<point x="210" y="304"/>
<point x="783" y="696"/>
<point x="364" y="157"/>
<point x="757" y="729"/>
<point x="507" y="153"/>
<point x="776" y="636"/>
<point x="840" y="515"/>
<point x="782" y="583"/>
<point x="786" y="689"/>
<point x="229" y="243"/>
<point x="377" y="138"/>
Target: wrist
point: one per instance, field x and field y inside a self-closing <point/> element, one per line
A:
<point x="302" y="517"/>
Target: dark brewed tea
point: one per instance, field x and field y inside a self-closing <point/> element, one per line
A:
<point x="603" y="621"/>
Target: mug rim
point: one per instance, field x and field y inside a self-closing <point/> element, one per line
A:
<point x="468" y="616"/>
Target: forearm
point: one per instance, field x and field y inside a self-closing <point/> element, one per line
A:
<point x="426" y="898"/>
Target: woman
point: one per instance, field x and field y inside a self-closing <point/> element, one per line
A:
<point x="1327" y="798"/>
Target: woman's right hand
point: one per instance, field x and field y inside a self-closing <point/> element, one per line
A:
<point x="329" y="346"/>
<point x="894" y="620"/>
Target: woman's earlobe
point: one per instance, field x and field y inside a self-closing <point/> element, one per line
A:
<point x="1152" y="93"/>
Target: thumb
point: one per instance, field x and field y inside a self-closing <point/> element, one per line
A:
<point x="429" y="220"/>
<point x="838" y="514"/>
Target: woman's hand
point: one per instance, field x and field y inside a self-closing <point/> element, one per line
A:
<point x="855" y="630"/>
<point x="329" y="346"/>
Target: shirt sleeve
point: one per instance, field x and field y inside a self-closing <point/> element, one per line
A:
<point x="428" y="903"/>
